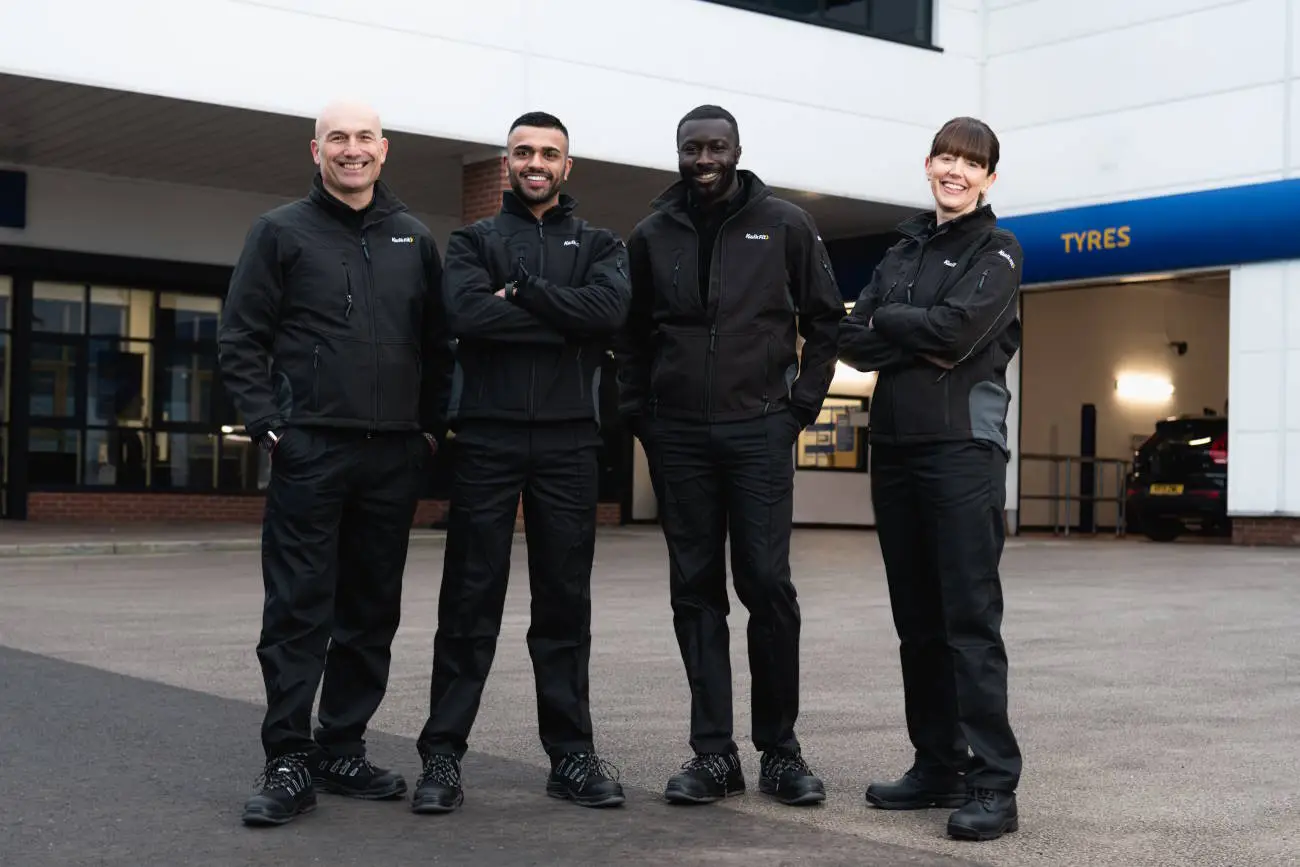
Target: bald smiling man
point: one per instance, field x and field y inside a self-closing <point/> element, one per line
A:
<point x="334" y="349"/>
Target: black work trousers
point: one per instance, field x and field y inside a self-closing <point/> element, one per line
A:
<point x="334" y="539"/>
<point x="713" y="481"/>
<point x="940" y="525"/>
<point x="555" y="467"/>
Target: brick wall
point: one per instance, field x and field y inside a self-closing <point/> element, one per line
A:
<point x="480" y="189"/>
<point x="1266" y="531"/>
<point x="158" y="508"/>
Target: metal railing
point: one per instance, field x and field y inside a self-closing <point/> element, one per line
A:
<point x="1061" y="488"/>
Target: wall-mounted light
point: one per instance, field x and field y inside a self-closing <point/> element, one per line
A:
<point x="1143" y="388"/>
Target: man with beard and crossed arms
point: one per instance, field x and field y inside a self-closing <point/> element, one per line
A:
<point x="534" y="294"/>
<point x="725" y="277"/>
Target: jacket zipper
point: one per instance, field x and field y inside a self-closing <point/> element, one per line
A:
<point x="532" y="364"/>
<point x="374" y="339"/>
<point x="720" y="247"/>
<point x="347" y="274"/>
<point x="315" y="378"/>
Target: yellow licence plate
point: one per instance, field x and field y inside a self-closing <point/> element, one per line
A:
<point x="1166" y="490"/>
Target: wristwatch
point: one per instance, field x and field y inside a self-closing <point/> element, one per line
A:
<point x="269" y="441"/>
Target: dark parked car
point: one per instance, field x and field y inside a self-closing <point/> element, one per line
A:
<point x="1179" y="480"/>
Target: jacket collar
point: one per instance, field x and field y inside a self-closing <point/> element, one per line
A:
<point x="923" y="226"/>
<point x="675" y="202"/>
<point x="512" y="204"/>
<point x="383" y="204"/>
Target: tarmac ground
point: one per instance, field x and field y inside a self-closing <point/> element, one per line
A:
<point x="1155" y="691"/>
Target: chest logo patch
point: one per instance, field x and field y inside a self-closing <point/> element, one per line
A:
<point x="572" y="242"/>
<point x="1005" y="255"/>
<point x="950" y="263"/>
<point x="406" y="239"/>
<point x="754" y="236"/>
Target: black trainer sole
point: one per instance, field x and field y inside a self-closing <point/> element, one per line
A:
<point x="676" y="795"/>
<point x="961" y="832"/>
<point x="953" y="802"/>
<point x="259" y="819"/>
<point x="394" y="791"/>
<point x="563" y="794"/>
<point x="803" y="799"/>
<point x="433" y="807"/>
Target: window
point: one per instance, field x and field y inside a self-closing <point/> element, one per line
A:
<point x="6" y="298"/>
<point x="125" y="392"/>
<point x="837" y="440"/>
<point x="907" y="21"/>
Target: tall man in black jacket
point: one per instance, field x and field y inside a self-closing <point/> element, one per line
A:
<point x="333" y="348"/>
<point x="725" y="275"/>
<point x="534" y="294"/>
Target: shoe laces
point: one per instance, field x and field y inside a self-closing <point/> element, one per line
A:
<point x="352" y="766"/>
<point x="984" y="796"/>
<point x="580" y="767"/>
<point x="442" y="769"/>
<point x="288" y="772"/>
<point x="716" y="765"/>
<point x="778" y="765"/>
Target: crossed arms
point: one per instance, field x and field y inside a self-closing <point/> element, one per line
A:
<point x="540" y="311"/>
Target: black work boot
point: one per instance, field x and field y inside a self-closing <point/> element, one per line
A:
<point x="919" y="790"/>
<point x="988" y="815"/>
<point x="355" y="777"/>
<point x="585" y="779"/>
<point x="789" y="779"/>
<point x="285" y="792"/>
<point x="438" y="789"/>
<point x="706" y="778"/>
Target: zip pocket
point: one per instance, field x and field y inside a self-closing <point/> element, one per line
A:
<point x="315" y="377"/>
<point x="347" y="311"/>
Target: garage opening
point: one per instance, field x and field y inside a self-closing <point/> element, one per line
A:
<point x="1124" y="398"/>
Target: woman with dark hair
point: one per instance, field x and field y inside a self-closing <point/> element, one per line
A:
<point x="940" y="321"/>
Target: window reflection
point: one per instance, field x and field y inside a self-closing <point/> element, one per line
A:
<point x="851" y="12"/>
<point x="183" y="460"/>
<point x="116" y="391"/>
<point x="6" y="296"/>
<point x="115" y="458"/>
<point x="188" y="317"/>
<point x="53" y="456"/>
<point x="53" y="380"/>
<point x="58" y="308"/>
<point x="121" y="312"/>
<point x="245" y="466"/>
<point x="185" y="382"/>
<point x="4" y="377"/>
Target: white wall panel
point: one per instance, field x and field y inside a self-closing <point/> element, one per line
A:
<point x="959" y="32"/>
<point x="1225" y="48"/>
<point x="1189" y="144"/>
<point x="1264" y="390"/>
<point x="1042" y="22"/>
<point x="620" y="72"/>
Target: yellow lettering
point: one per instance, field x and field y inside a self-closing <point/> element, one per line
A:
<point x="1110" y="238"/>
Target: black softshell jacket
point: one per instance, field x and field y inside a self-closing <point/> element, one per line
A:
<point x="334" y="319"/>
<point x="951" y="292"/>
<point x="537" y="356"/>
<point x="733" y="356"/>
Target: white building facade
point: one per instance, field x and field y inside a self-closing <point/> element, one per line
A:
<point x="139" y="139"/>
